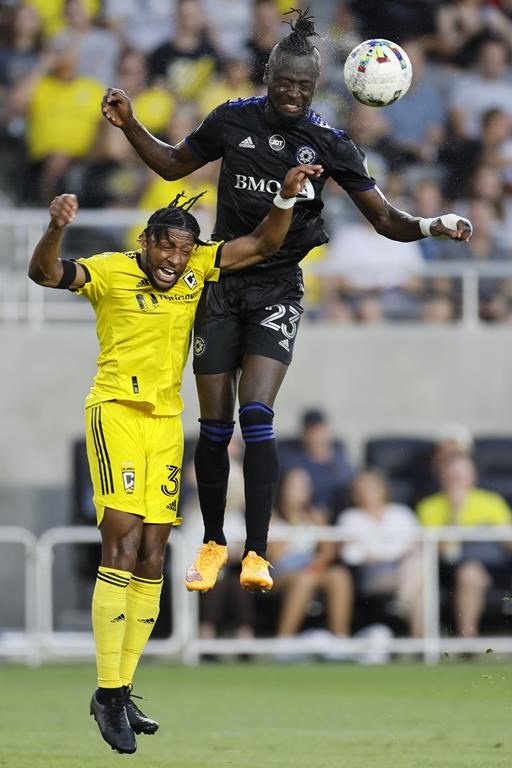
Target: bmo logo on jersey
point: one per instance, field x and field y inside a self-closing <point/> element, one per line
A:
<point x="271" y="186"/>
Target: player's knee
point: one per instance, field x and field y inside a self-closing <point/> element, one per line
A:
<point x="256" y="422"/>
<point x="150" y="564"/>
<point x="119" y="553"/>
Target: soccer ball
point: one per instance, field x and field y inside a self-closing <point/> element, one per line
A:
<point x="378" y="72"/>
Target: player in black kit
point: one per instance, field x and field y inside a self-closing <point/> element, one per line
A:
<point x="247" y="323"/>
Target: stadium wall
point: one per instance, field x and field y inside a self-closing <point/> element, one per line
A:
<point x="369" y="381"/>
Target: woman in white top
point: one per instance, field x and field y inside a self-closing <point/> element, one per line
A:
<point x="381" y="546"/>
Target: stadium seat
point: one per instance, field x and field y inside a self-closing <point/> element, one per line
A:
<point x="402" y="460"/>
<point x="493" y="458"/>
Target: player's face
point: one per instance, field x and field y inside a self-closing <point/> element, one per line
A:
<point x="291" y="85"/>
<point x="165" y="261"/>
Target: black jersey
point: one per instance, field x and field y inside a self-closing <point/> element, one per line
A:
<point x="255" y="159"/>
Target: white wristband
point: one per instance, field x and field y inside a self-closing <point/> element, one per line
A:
<point x="284" y="202"/>
<point x="425" y="227"/>
<point x="449" y="220"/>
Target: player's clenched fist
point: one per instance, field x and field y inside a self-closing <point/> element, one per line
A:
<point x="296" y="177"/>
<point x="117" y="107"/>
<point x="63" y="210"/>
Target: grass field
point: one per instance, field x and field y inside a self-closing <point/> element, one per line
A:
<point x="319" y="716"/>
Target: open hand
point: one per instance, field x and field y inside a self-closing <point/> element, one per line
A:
<point x="63" y="210"/>
<point x="296" y="178"/>
<point x="117" y="107"/>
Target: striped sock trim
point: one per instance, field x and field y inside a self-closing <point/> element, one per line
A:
<point x="115" y="578"/>
<point x="148" y="581"/>
<point x="256" y="407"/>
<point x="217" y="432"/>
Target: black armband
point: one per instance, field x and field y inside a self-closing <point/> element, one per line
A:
<point x="218" y="255"/>
<point x="68" y="273"/>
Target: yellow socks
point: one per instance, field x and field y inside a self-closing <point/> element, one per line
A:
<point x="109" y="611"/>
<point x="142" y="609"/>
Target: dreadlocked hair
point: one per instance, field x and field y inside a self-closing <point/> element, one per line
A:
<point x="297" y="42"/>
<point x="175" y="216"/>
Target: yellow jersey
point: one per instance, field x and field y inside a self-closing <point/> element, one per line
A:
<point x="144" y="334"/>
<point x="480" y="508"/>
<point x="63" y="117"/>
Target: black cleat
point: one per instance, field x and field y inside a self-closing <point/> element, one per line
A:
<point x="137" y="719"/>
<point x="113" y="724"/>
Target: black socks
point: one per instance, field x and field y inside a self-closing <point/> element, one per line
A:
<point x="212" y="472"/>
<point x="261" y="473"/>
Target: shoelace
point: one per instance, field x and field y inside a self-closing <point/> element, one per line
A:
<point x="115" y="714"/>
<point x="208" y="555"/>
<point x="258" y="561"/>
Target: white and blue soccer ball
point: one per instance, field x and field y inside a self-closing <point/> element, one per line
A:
<point x="378" y="72"/>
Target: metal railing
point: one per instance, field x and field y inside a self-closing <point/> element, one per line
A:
<point x="40" y="641"/>
<point x="23" y="301"/>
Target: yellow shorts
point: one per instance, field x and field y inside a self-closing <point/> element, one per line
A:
<point x="135" y="461"/>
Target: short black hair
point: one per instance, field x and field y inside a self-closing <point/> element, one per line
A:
<point x="297" y="43"/>
<point x="174" y="216"/>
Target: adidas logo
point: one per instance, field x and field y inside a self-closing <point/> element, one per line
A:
<point x="146" y="621"/>
<point x="121" y="617"/>
<point x="247" y="143"/>
<point x="142" y="283"/>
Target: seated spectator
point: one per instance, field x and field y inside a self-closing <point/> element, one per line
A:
<point x="322" y="457"/>
<point x="452" y="439"/>
<point x="97" y="49"/>
<point x="360" y="263"/>
<point x="52" y="13"/>
<point x="382" y="550"/>
<point x="486" y="87"/>
<point x="471" y="567"/>
<point x="62" y="121"/>
<point x="187" y="63"/>
<point x="227" y="607"/>
<point x="266" y="32"/>
<point x="233" y="84"/>
<point x="141" y="25"/>
<point x="417" y="122"/>
<point x="460" y="25"/>
<point x="302" y="567"/>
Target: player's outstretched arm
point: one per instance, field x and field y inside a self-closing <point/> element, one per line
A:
<point x="169" y="162"/>
<point x="400" y="225"/>
<point x="46" y="267"/>
<point x="268" y="236"/>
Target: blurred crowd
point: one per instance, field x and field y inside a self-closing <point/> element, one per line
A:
<point x="375" y="580"/>
<point x="446" y="146"/>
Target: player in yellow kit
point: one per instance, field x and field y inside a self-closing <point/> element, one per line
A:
<point x="145" y="303"/>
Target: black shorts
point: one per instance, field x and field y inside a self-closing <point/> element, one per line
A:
<point x="247" y="314"/>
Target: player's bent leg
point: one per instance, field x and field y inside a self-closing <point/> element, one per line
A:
<point x="121" y="534"/>
<point x="259" y="384"/>
<point x="216" y="398"/>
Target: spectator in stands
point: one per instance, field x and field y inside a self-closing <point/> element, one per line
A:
<point x="62" y="121"/>
<point x="267" y="30"/>
<point x="140" y="25"/>
<point x="463" y="23"/>
<point x="470" y="566"/>
<point x="228" y="21"/>
<point x="359" y="266"/>
<point x="302" y="567"/>
<point x="417" y="121"/>
<point x="486" y="87"/>
<point x="226" y="606"/>
<point x="21" y="45"/>
<point x="233" y="83"/>
<point x="322" y="457"/>
<point x="382" y="550"/>
<point x="188" y="61"/>
<point x="453" y="439"/>
<point x="97" y="49"/>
